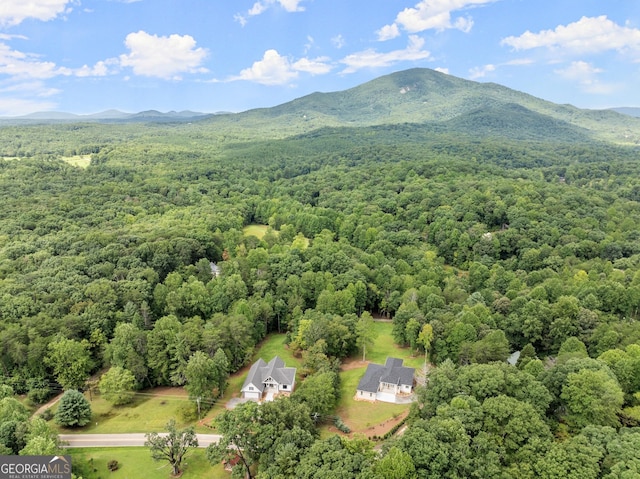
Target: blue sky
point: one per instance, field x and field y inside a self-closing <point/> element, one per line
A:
<point x="85" y="56"/>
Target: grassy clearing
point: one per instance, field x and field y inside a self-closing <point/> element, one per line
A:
<point x="274" y="345"/>
<point x="361" y="415"/>
<point x="136" y="462"/>
<point x="256" y="230"/>
<point x="385" y="346"/>
<point x="81" y="161"/>
<point x="149" y="412"/>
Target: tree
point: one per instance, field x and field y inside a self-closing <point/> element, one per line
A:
<point x="395" y="464"/>
<point x="424" y="338"/>
<point x="319" y="391"/>
<point x="592" y="397"/>
<point x="73" y="410"/>
<point x="366" y="333"/>
<point x="41" y="440"/>
<point x="172" y="447"/>
<point x="336" y="458"/>
<point x="238" y="430"/>
<point x="412" y="331"/>
<point x="14" y="421"/>
<point x="116" y="386"/>
<point x="128" y="349"/>
<point x="201" y="378"/>
<point x="493" y="347"/>
<point x="221" y="367"/>
<point x="71" y="362"/>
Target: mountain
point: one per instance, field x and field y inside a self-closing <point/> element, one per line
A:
<point x="426" y="96"/>
<point x="106" y="116"/>
<point x="627" y="111"/>
<point x="420" y="96"/>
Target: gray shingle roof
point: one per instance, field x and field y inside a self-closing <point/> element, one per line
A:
<point x="275" y="369"/>
<point x="393" y="372"/>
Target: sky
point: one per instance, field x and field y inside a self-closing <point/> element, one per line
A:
<point x="87" y="56"/>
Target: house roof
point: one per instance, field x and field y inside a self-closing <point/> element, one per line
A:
<point x="393" y="372"/>
<point x="275" y="369"/>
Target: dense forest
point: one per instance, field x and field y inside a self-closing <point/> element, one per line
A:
<point x="500" y="242"/>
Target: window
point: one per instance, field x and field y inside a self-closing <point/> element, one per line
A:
<point x="284" y="386"/>
<point x="250" y="388"/>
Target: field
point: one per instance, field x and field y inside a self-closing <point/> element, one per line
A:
<point x="149" y="412"/>
<point x="81" y="161"/>
<point x="136" y="463"/>
<point x="255" y="230"/>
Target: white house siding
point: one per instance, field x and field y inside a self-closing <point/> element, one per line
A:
<point x="251" y="395"/>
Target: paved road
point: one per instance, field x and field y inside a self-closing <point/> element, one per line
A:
<point x="122" y="440"/>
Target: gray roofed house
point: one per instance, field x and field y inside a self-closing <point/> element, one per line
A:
<point x="385" y="383"/>
<point x="268" y="379"/>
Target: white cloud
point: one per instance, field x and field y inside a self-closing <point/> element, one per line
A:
<point x="100" y="69"/>
<point x="262" y="6"/>
<point x="388" y="32"/>
<point x="17" y="64"/>
<point x="372" y="59"/>
<point x="317" y="66"/>
<point x="587" y="35"/>
<point x="431" y="15"/>
<point x="163" y="57"/>
<point x="586" y="76"/>
<point x="274" y="69"/>
<point x="338" y="41"/>
<point x="13" y="12"/>
<point x="442" y="70"/>
<point x="6" y="36"/>
<point x="309" y="45"/>
<point x="481" y="72"/>
<point x="26" y="97"/>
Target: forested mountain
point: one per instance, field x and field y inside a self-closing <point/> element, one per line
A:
<point x="427" y="96"/>
<point x="497" y="221"/>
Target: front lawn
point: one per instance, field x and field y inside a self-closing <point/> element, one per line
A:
<point x="136" y="462"/>
<point x="364" y="416"/>
<point x="149" y="412"/>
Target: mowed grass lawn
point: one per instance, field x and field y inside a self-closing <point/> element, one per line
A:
<point x="362" y="415"/>
<point x="136" y="463"/>
<point x="149" y="412"/>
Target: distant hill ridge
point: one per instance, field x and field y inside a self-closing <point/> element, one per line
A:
<point x="419" y="96"/>
<point x="110" y="115"/>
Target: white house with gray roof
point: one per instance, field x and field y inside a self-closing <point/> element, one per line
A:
<point x="265" y="380"/>
<point x="386" y="383"/>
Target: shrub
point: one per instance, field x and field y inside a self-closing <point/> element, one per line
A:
<point x="47" y="414"/>
<point x="113" y="465"/>
<point x="188" y="411"/>
<point x="341" y="425"/>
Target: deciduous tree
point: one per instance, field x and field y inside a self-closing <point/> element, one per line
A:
<point x="172" y="447"/>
